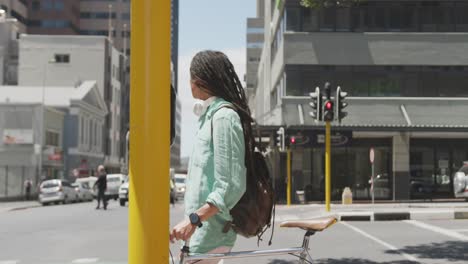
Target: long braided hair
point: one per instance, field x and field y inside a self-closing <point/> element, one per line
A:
<point x="214" y="73"/>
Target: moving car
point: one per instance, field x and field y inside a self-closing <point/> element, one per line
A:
<point x="113" y="184"/>
<point x="123" y="192"/>
<point x="83" y="190"/>
<point x="180" y="185"/>
<point x="460" y="182"/>
<point x="56" y="191"/>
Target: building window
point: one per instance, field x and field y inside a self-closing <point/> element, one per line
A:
<point x="125" y="16"/>
<point x="407" y="81"/>
<point x="59" y="5"/>
<point x="62" y="58"/>
<point x="47" y="5"/>
<point x="55" y="23"/>
<point x="293" y="19"/>
<point x="255" y="30"/>
<point x="82" y="130"/>
<point x="97" y="15"/>
<point x="36" y="5"/>
<point x="52" y="138"/>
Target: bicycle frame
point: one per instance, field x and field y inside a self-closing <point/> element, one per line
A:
<point x="301" y="252"/>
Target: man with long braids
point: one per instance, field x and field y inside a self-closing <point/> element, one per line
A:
<point x="216" y="178"/>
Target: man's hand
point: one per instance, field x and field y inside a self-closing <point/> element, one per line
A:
<point x="182" y="231"/>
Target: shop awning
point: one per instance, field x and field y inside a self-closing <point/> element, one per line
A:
<point x="386" y="112"/>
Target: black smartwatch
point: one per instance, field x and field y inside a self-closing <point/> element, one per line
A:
<point x="195" y="220"/>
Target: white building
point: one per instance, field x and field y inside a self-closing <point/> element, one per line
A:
<point x="64" y="124"/>
<point x="67" y="61"/>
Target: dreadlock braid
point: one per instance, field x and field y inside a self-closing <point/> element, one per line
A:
<point x="215" y="74"/>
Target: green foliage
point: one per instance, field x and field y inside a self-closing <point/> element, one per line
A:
<point x="325" y="3"/>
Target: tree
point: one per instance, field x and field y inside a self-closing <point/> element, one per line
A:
<point x="325" y="3"/>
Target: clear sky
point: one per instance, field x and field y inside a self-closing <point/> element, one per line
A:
<point x="209" y="24"/>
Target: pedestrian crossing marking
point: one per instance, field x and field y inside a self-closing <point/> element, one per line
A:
<point x="9" y="261"/>
<point x="84" y="260"/>
<point x="439" y="230"/>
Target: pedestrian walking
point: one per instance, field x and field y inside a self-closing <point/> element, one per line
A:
<point x="101" y="184"/>
<point x="27" y="189"/>
<point x="217" y="171"/>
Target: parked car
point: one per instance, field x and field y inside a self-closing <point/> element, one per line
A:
<point x="83" y="190"/>
<point x="180" y="185"/>
<point x="421" y="188"/>
<point x="91" y="181"/>
<point x="460" y="182"/>
<point x="56" y="191"/>
<point x="123" y="192"/>
<point x="113" y="184"/>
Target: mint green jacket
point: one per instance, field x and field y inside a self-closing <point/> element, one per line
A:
<point x="216" y="175"/>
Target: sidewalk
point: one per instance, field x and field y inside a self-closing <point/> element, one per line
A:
<point x="11" y="206"/>
<point x="378" y="212"/>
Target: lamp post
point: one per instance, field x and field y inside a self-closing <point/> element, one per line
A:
<point x="39" y="148"/>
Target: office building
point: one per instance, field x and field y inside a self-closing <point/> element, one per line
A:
<point x="68" y="61"/>
<point x="54" y="17"/>
<point x="404" y="66"/>
<point x="100" y="17"/>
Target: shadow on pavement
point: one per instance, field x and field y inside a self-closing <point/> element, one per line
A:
<point x="343" y="261"/>
<point x="448" y="251"/>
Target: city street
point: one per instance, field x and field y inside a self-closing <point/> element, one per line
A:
<point x="77" y="233"/>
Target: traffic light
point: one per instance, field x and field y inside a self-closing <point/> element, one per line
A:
<point x="292" y="140"/>
<point x="316" y="103"/>
<point x="328" y="111"/>
<point x="340" y="104"/>
<point x="280" y="139"/>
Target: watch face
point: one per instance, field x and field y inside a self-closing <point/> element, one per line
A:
<point x="194" y="219"/>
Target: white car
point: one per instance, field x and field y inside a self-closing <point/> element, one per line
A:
<point x="123" y="192"/>
<point x="56" y="191"/>
<point x="460" y="182"/>
<point x="84" y="191"/>
<point x="91" y="181"/>
<point x="113" y="184"/>
<point x="180" y="185"/>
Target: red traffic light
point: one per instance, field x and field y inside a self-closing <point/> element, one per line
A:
<point x="292" y="140"/>
<point x="328" y="105"/>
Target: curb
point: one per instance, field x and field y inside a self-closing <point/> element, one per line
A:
<point x="24" y="207"/>
<point x="12" y="209"/>
<point x="400" y="216"/>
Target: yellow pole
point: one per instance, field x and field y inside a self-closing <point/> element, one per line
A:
<point x="288" y="167"/>
<point x="327" y="166"/>
<point x="150" y="131"/>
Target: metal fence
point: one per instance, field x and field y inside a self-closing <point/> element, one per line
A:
<point x="12" y="179"/>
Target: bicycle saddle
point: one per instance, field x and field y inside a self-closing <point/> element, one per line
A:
<point x="317" y="224"/>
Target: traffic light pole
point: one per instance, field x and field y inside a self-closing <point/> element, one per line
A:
<point x="148" y="240"/>
<point x="288" y="166"/>
<point x="327" y="165"/>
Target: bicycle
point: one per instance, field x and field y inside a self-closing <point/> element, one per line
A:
<point x="310" y="226"/>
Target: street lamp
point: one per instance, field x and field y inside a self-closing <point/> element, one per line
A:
<point x="39" y="147"/>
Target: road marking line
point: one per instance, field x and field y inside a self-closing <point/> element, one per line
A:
<point x="85" y="260"/>
<point x="9" y="261"/>
<point x="383" y="243"/>
<point x="437" y="229"/>
<point x="460" y="230"/>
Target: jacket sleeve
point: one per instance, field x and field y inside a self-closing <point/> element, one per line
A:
<point x="229" y="164"/>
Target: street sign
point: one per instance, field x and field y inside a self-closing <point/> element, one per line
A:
<point x="371" y="155"/>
